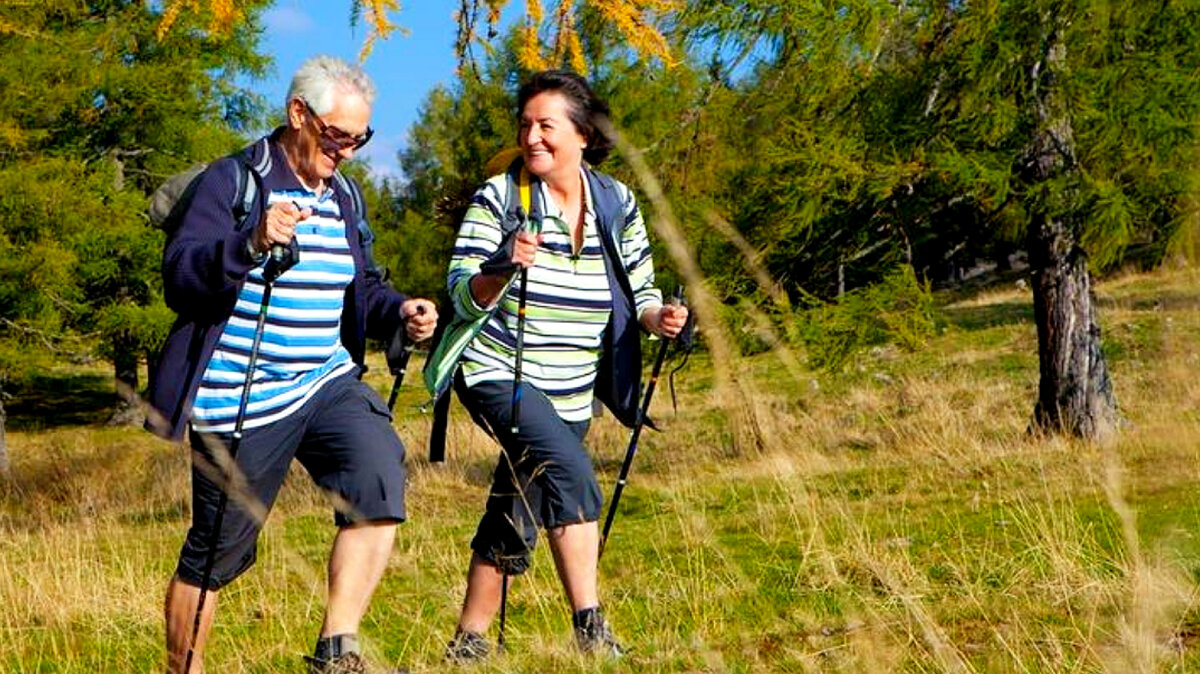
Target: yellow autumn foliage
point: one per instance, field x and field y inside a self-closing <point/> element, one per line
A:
<point x="633" y="18"/>
<point x="225" y="14"/>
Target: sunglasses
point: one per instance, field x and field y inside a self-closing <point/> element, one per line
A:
<point x="333" y="139"/>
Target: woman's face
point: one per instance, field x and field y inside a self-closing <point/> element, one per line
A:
<point x="550" y="143"/>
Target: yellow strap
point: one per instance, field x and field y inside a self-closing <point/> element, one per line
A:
<point x="523" y="189"/>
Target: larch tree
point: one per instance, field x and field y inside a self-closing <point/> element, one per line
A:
<point x="1066" y="125"/>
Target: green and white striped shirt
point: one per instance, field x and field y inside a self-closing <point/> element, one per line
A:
<point x="568" y="301"/>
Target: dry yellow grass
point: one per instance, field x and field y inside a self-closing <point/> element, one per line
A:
<point x="897" y="518"/>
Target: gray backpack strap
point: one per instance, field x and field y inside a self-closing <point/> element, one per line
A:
<point x="356" y="198"/>
<point x="260" y="156"/>
<point x="366" y="237"/>
<point x="253" y="164"/>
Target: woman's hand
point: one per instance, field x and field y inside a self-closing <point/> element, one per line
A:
<point x="665" y="321"/>
<point x="492" y="279"/>
<point x="524" y="249"/>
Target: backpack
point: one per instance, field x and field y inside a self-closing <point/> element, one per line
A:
<point x="441" y="370"/>
<point x="172" y="199"/>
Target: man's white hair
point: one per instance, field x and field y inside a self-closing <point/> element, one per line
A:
<point x="321" y="78"/>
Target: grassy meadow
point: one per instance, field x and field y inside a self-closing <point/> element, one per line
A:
<point x="894" y="518"/>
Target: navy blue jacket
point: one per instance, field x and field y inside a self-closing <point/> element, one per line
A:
<point x="204" y="266"/>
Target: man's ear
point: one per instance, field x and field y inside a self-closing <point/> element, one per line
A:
<point x="296" y="113"/>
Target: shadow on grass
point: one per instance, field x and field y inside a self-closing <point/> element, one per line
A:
<point x="64" y="482"/>
<point x="54" y="401"/>
<point x="1152" y="301"/>
<point x="987" y="316"/>
<point x="1012" y="313"/>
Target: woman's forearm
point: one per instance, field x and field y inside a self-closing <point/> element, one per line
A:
<point x="487" y="288"/>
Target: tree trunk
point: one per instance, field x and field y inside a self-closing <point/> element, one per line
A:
<point x="125" y="370"/>
<point x="1074" y="392"/>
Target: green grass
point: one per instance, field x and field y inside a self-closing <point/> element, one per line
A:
<point x="893" y="518"/>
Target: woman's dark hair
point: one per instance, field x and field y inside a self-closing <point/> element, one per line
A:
<point x="584" y="108"/>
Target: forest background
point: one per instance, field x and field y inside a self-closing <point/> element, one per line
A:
<point x="832" y="180"/>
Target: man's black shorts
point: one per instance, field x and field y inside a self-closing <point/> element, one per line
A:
<point x="343" y="436"/>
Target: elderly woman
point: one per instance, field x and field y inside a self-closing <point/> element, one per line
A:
<point x="590" y="283"/>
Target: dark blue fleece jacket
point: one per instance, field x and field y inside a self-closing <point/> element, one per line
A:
<point x="204" y="266"/>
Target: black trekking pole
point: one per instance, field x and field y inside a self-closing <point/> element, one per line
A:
<point x="399" y="350"/>
<point x="503" y="606"/>
<point x="278" y="264"/>
<point x="637" y="431"/>
<point x="518" y="359"/>
<point x="514" y="424"/>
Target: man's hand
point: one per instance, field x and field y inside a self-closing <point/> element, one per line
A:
<point x="420" y="318"/>
<point x="278" y="226"/>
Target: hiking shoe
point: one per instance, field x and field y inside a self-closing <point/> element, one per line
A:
<point x="347" y="663"/>
<point x="467" y="647"/>
<point x="593" y="635"/>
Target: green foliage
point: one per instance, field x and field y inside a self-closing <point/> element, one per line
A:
<point x="98" y="112"/>
<point x="871" y="132"/>
<point x="898" y="309"/>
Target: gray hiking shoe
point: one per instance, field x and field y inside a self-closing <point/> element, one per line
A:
<point x="593" y="635"/>
<point x="467" y="647"/>
<point x="347" y="663"/>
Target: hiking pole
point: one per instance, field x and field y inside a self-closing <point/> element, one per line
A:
<point x="503" y="606"/>
<point x="522" y="294"/>
<point x="398" y="352"/>
<point x="514" y="425"/>
<point x="275" y="266"/>
<point x="637" y="431"/>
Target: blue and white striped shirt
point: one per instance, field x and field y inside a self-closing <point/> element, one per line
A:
<point x="301" y="346"/>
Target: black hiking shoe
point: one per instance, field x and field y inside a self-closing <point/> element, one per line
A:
<point x="347" y="663"/>
<point x="467" y="647"/>
<point x="593" y="635"/>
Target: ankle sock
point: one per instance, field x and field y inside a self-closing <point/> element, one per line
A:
<point x="335" y="646"/>
<point x="587" y="618"/>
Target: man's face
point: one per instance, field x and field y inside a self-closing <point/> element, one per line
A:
<point x="326" y="140"/>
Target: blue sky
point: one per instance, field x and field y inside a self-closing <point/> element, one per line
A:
<point x="405" y="67"/>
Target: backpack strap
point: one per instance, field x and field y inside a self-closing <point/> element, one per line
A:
<point x="518" y="200"/>
<point x="253" y="163"/>
<point x="524" y="190"/>
<point x="366" y="236"/>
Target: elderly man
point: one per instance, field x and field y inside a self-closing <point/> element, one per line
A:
<point x="306" y="400"/>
